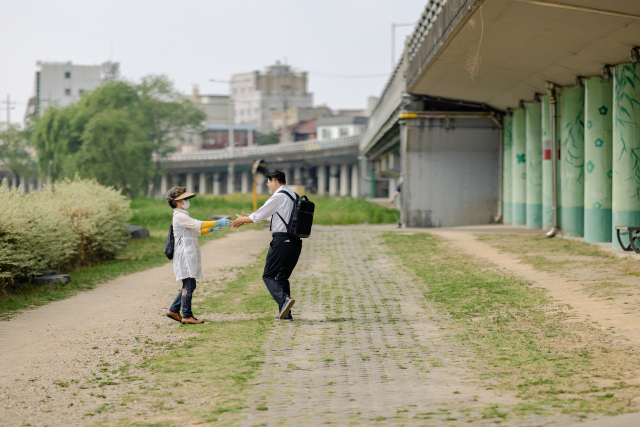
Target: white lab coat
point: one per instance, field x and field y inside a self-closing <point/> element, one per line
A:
<point x="187" y="261"/>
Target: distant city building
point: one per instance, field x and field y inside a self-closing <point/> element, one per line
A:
<point x="341" y="126"/>
<point x="290" y="116"/>
<point x="300" y="131"/>
<point x="217" y="136"/>
<point x="256" y="94"/>
<point x="216" y="107"/>
<point x="62" y="83"/>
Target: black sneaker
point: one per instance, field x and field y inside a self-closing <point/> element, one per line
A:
<point x="286" y="308"/>
<point x="289" y="317"/>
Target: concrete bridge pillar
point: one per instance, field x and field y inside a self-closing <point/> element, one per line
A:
<point x="344" y="180"/>
<point x="202" y="185"/>
<point x="32" y="186"/>
<point x="23" y="187"/>
<point x="333" y="181"/>
<point x="244" y="182"/>
<point x="355" y="177"/>
<point x="231" y="178"/>
<point x="260" y="188"/>
<point x="534" y="164"/>
<point x="547" y="178"/>
<point x="519" y="169"/>
<point x="598" y="142"/>
<point x="163" y="184"/>
<point x="190" y="186"/>
<point x="216" y="184"/>
<point x="626" y="142"/>
<point x="573" y="161"/>
<point x="39" y="183"/>
<point x="322" y="180"/>
<point x="297" y="176"/>
<point x="507" y="178"/>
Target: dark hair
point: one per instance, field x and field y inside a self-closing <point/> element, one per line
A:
<point x="278" y="176"/>
<point x="173" y="193"/>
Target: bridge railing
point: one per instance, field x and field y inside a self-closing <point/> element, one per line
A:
<point x="428" y="17"/>
<point x="258" y="151"/>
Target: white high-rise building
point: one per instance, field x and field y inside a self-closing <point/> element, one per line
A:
<point x="256" y="94"/>
<point x="62" y="83"/>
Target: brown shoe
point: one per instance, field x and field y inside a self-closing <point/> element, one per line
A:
<point x="174" y="316"/>
<point x="191" y="321"/>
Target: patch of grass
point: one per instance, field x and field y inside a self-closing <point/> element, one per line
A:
<point x="222" y="356"/>
<point x="521" y="340"/>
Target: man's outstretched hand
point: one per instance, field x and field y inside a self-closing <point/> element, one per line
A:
<point x="241" y="220"/>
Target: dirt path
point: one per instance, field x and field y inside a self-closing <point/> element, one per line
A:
<point x="367" y="348"/>
<point x="564" y="289"/>
<point x="93" y="335"/>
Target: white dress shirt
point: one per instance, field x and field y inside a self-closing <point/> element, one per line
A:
<point x="278" y="203"/>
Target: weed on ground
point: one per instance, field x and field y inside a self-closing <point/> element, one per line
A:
<point x="204" y="379"/>
<point x="528" y="344"/>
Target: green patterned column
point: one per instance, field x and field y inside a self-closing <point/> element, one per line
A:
<point x="519" y="169"/>
<point x="534" y="164"/>
<point x="573" y="161"/>
<point x="626" y="147"/>
<point x="547" y="179"/>
<point x="598" y="136"/>
<point x="507" y="177"/>
<point x="558" y="158"/>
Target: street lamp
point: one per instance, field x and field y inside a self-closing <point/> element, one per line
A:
<point x="230" y="113"/>
<point x="393" y="42"/>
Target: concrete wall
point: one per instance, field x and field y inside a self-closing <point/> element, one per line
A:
<point x="450" y="175"/>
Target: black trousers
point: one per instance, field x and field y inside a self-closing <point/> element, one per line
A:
<point x="282" y="258"/>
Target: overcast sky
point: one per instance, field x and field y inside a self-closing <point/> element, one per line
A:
<point x="192" y="41"/>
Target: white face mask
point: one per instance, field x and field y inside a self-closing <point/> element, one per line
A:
<point x="185" y="205"/>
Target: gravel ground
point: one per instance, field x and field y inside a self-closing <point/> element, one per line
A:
<point x="63" y="363"/>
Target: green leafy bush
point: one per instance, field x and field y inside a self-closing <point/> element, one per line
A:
<point x="71" y="224"/>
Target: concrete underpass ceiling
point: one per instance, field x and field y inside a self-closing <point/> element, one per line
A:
<point x="524" y="46"/>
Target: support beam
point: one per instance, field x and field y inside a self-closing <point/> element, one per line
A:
<point x="190" y="186"/>
<point x="322" y="180"/>
<point x="534" y="165"/>
<point x="344" y="180"/>
<point x="297" y="176"/>
<point x="23" y="187"/>
<point x="355" y="179"/>
<point x="519" y="169"/>
<point x="164" y="188"/>
<point x="231" y="178"/>
<point x="202" y="185"/>
<point x="573" y="161"/>
<point x="626" y="143"/>
<point x="507" y="177"/>
<point x="333" y="181"/>
<point x="244" y="182"/>
<point x="216" y="184"/>
<point x="598" y="142"/>
<point x="32" y="186"/>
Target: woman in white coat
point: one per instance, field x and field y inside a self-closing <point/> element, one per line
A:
<point x="187" y="263"/>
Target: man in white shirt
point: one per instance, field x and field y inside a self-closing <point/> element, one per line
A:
<point x="284" y="250"/>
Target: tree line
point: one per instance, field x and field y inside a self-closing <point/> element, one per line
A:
<point x="109" y="135"/>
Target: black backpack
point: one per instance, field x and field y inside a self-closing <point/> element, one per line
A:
<point x="170" y="245"/>
<point x="301" y="220"/>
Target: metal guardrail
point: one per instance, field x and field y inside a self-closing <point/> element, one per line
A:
<point x="258" y="151"/>
<point x="431" y="11"/>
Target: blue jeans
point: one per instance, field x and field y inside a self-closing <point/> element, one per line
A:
<point x="184" y="298"/>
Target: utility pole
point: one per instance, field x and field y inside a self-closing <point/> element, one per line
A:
<point x="393" y="42"/>
<point x="9" y="108"/>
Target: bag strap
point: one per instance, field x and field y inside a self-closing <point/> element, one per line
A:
<point x="278" y="213"/>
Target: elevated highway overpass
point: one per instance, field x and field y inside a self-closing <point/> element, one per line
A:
<point x="468" y="110"/>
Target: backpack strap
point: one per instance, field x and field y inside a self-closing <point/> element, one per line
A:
<point x="278" y="213"/>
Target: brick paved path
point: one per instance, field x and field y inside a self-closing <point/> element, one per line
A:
<point x="365" y="348"/>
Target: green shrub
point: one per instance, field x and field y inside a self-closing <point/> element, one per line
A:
<point x="72" y="224"/>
